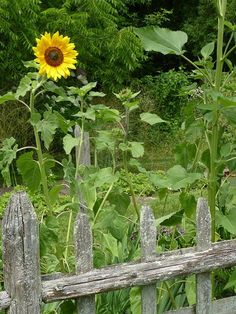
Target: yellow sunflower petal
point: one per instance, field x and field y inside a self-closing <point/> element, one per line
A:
<point x="55" y="55"/>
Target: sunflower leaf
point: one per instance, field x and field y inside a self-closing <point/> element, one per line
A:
<point x="47" y="126"/>
<point x="24" y="87"/>
<point x="151" y="118"/>
<point x="69" y="142"/>
<point x="162" y="40"/>
<point x="29" y="169"/>
<point x="6" y="97"/>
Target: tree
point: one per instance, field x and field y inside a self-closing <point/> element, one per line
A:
<point x="18" y="20"/>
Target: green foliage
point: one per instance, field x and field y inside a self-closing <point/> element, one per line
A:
<point x="160" y="95"/>
<point x="107" y="52"/>
<point x="140" y="182"/>
<point x="163" y="92"/>
<point x="162" y="40"/>
<point x="18" y="30"/>
<point x="7" y="156"/>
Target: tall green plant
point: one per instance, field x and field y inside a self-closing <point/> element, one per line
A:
<point x="216" y="104"/>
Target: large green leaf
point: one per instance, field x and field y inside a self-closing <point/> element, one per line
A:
<point x="6" y="97"/>
<point x="207" y="50"/>
<point x="88" y="114"/>
<point x="110" y="243"/>
<point x="176" y="178"/>
<point x="105" y="140"/>
<point x="151" y="118"/>
<point x="137" y="149"/>
<point x="188" y="203"/>
<point x="121" y="201"/>
<point x="228" y="221"/>
<point x="24" y="86"/>
<point x="47" y="126"/>
<point x="162" y="40"/>
<point x="103" y="176"/>
<point x="105" y="113"/>
<point x="29" y="169"/>
<point x="172" y="219"/>
<point x="69" y="142"/>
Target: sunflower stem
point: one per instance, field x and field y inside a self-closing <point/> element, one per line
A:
<point x="40" y="154"/>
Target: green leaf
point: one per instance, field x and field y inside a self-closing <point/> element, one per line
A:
<point x="48" y="127"/>
<point x="105" y="113"/>
<point x="190" y="289"/>
<point x="113" y="222"/>
<point x="230" y="114"/>
<point x="89" y="194"/>
<point x="69" y="169"/>
<point x="135" y="300"/>
<point x="188" y="203"/>
<point x="50" y="86"/>
<point x="105" y="140"/>
<point x="54" y="193"/>
<point x="7" y="155"/>
<point x="97" y="94"/>
<point x="29" y="169"/>
<point x="228" y="221"/>
<point x="103" y="176"/>
<point x="121" y="201"/>
<point x="207" y="50"/>
<point x="31" y="64"/>
<point x="176" y="178"/>
<point x="62" y="122"/>
<point x="137" y="149"/>
<point x="24" y="87"/>
<point x="227" y="102"/>
<point x="6" y="97"/>
<point x="68" y="307"/>
<point x="151" y="118"/>
<point x="35" y="118"/>
<point x="111" y="244"/>
<point x="66" y="98"/>
<point x="83" y="90"/>
<point x="162" y="40"/>
<point x="89" y="114"/>
<point x="172" y="219"/>
<point x="231" y="26"/>
<point x="232" y="281"/>
<point x="69" y="142"/>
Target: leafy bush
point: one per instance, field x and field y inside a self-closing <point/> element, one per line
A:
<point x="161" y="95"/>
<point x="164" y="91"/>
<point x="140" y="182"/>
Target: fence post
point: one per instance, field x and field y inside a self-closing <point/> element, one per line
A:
<point x="84" y="157"/>
<point x="204" y="289"/>
<point x="148" y="250"/>
<point x="21" y="256"/>
<point x="84" y="257"/>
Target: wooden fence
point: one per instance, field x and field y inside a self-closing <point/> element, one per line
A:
<point x="25" y="290"/>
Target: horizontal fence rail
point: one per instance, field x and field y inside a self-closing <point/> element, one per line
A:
<point x="222" y="254"/>
<point x="26" y="288"/>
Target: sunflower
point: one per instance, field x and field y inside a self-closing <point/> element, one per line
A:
<point x="56" y="55"/>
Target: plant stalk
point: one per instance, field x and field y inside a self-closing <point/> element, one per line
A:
<point x="40" y="155"/>
<point x="212" y="178"/>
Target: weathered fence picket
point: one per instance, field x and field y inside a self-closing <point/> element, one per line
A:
<point x="83" y="150"/>
<point x="22" y="279"/>
<point x="84" y="258"/>
<point x="148" y="250"/>
<point x="204" y="293"/>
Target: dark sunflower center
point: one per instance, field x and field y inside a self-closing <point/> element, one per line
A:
<point x="53" y="56"/>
